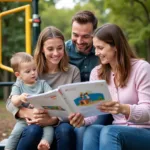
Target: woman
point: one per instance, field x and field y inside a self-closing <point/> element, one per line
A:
<point x="128" y="79"/>
<point x="53" y="66"/>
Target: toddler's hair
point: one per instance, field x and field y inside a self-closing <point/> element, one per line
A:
<point x="18" y="58"/>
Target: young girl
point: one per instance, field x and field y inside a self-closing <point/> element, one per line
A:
<point x="52" y="66"/>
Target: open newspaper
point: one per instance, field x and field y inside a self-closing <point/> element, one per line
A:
<point x="77" y="97"/>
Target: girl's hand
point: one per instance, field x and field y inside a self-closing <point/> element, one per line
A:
<point x="42" y="118"/>
<point x="114" y="107"/>
<point x="76" y="119"/>
<point x="26" y="113"/>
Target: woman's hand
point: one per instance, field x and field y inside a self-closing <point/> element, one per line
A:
<point x="25" y="113"/>
<point x="76" y="119"/>
<point x="42" y="118"/>
<point x="114" y="107"/>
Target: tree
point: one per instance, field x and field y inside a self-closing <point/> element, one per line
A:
<point x="134" y="17"/>
<point x="62" y="17"/>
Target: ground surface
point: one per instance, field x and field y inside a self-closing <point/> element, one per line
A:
<point x="6" y="121"/>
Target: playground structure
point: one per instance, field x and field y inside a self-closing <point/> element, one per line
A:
<point x="36" y="25"/>
<point x="35" y="21"/>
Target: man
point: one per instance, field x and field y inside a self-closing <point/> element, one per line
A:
<point x="80" y="48"/>
<point x="82" y="54"/>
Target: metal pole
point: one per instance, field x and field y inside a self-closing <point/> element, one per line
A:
<point x="36" y="22"/>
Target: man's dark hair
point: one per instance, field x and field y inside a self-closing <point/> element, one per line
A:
<point x="83" y="17"/>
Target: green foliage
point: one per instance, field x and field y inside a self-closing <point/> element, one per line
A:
<point x="61" y="19"/>
<point x="12" y="30"/>
<point x="133" y="16"/>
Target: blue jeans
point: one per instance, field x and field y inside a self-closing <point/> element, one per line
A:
<point x="115" y="137"/>
<point x="79" y="132"/>
<point x="104" y="119"/>
<point x="64" y="138"/>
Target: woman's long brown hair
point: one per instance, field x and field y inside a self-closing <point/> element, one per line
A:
<point x="113" y="35"/>
<point x="49" y="33"/>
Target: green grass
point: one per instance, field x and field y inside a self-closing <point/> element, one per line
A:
<point x="2" y="103"/>
<point x="3" y="111"/>
<point x="7" y="121"/>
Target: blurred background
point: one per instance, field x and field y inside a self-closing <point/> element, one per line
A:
<point x="133" y="16"/>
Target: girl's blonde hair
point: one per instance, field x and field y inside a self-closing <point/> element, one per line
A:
<point x="49" y="33"/>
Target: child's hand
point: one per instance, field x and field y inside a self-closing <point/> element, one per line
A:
<point x="23" y="97"/>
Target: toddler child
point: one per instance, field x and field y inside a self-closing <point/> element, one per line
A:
<point x="27" y="84"/>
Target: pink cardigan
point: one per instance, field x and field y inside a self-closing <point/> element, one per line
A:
<point x="136" y="93"/>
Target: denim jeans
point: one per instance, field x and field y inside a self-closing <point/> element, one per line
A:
<point x="115" y="137"/>
<point x="30" y="138"/>
<point x="79" y="132"/>
<point x="104" y="119"/>
<point x="64" y="138"/>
